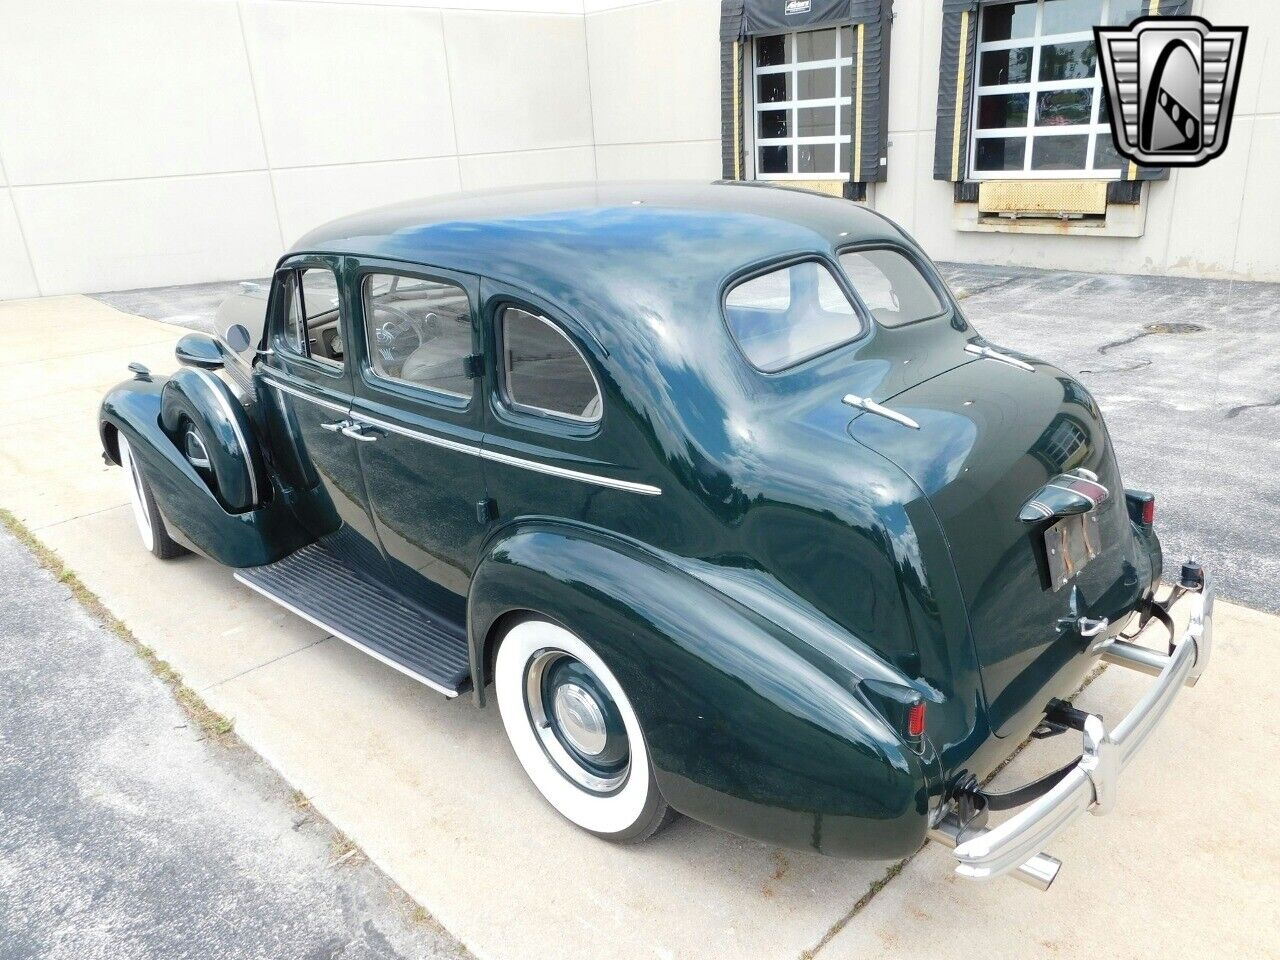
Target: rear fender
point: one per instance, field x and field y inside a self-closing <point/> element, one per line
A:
<point x="749" y="727"/>
<point x="190" y="509"/>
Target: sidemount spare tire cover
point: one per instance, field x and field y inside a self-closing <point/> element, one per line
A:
<point x="225" y="431"/>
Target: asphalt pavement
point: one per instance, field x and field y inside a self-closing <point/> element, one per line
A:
<point x="125" y="833"/>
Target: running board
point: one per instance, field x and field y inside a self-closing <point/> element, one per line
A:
<point x="316" y="585"/>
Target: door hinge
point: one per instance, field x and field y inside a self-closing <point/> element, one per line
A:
<point x="486" y="510"/>
<point x="473" y="366"/>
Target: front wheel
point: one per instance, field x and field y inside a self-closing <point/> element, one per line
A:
<point x="145" y="512"/>
<point x="576" y="734"/>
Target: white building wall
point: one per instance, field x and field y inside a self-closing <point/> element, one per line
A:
<point x="148" y="142"/>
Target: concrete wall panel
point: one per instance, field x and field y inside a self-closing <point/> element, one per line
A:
<point x="115" y="235"/>
<point x="131" y="88"/>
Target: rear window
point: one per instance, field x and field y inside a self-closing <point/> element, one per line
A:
<point x="789" y="315"/>
<point x="891" y="286"/>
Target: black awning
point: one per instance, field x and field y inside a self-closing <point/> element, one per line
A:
<point x="774" y="16"/>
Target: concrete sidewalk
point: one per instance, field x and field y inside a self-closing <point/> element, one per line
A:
<point x="429" y="789"/>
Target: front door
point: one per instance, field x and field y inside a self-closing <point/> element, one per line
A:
<point x="417" y="404"/>
<point x="307" y="398"/>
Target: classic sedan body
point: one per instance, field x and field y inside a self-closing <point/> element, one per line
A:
<point x="713" y="488"/>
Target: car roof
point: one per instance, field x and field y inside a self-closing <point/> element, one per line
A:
<point x="640" y="238"/>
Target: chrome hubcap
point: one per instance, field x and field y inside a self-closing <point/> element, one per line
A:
<point x="581" y="719"/>
<point x="576" y="721"/>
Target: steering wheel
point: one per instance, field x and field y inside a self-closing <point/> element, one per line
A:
<point x="394" y="335"/>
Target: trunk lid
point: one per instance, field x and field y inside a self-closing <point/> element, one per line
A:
<point x="990" y="436"/>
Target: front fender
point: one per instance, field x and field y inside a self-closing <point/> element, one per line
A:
<point x="191" y="511"/>
<point x="749" y="729"/>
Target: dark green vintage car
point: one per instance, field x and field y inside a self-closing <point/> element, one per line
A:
<point x="714" y="486"/>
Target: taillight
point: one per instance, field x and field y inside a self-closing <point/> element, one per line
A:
<point x="915" y="720"/>
<point x="1142" y="506"/>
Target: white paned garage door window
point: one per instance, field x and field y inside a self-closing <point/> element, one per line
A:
<point x="1038" y="107"/>
<point x="802" y="104"/>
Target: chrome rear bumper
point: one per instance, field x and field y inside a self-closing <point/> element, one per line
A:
<point x="1014" y="845"/>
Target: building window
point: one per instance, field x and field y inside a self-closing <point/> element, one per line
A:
<point x="802" y="86"/>
<point x="1038" y="107"/>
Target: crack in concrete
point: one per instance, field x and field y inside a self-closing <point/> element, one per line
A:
<point x="1138" y="364"/>
<point x="1102" y="350"/>
<point x="1236" y="411"/>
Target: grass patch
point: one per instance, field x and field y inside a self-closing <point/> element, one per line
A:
<point x="214" y="724"/>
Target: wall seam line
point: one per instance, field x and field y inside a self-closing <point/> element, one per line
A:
<point x="22" y="233"/>
<point x="262" y="133"/>
<point x="591" y="96"/>
<point x="453" y="112"/>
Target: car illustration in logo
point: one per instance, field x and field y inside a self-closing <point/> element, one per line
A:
<point x="1171" y="87"/>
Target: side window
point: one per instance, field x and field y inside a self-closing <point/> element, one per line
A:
<point x="543" y="371"/>
<point x="790" y="315"/>
<point x="295" y="330"/>
<point x="891" y="286"/>
<point x="419" y="332"/>
<point x="312" y="327"/>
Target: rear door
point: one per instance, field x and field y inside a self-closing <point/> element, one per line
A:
<point x="417" y="406"/>
<point x="307" y="397"/>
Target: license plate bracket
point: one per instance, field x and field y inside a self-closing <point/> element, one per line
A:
<point x="1069" y="545"/>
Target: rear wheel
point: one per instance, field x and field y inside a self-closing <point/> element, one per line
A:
<point x="145" y="512"/>
<point x="576" y="734"/>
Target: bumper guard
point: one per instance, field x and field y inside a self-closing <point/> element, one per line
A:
<point x="1014" y="845"/>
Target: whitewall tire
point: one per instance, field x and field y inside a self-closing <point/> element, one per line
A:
<point x="576" y="734"/>
<point x="146" y="514"/>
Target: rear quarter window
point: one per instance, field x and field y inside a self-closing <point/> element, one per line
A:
<point x="892" y="287"/>
<point x="789" y="315"/>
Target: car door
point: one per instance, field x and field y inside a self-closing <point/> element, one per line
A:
<point x="307" y="396"/>
<point x="547" y="449"/>
<point x="416" y="402"/>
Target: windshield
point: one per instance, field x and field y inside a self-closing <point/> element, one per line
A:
<point x="789" y="315"/>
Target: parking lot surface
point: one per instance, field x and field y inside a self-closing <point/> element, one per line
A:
<point x="128" y="835"/>
<point x="430" y="790"/>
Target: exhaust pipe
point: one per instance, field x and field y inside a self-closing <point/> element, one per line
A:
<point x="1039" y="872"/>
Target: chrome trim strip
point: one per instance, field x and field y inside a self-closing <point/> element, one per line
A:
<point x="303" y="395"/>
<point x="629" y="486"/>
<point x="1081" y="493"/>
<point x="1091" y="785"/>
<point x="345" y="639"/>
<point x="990" y="354"/>
<point x="870" y="406"/>
<point x="235" y="426"/>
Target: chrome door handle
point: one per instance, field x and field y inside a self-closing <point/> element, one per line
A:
<point x="358" y="431"/>
<point x="336" y="427"/>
